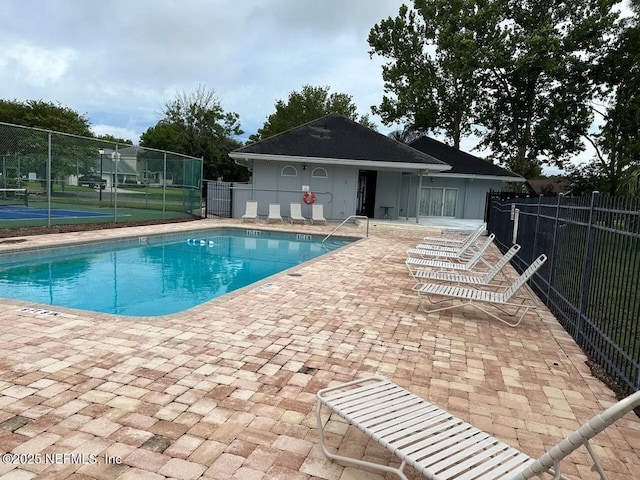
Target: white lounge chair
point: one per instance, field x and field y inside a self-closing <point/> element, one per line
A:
<point x="414" y="263"/>
<point x="485" y="278"/>
<point x="505" y="301"/>
<point x="463" y="253"/>
<point x="452" y="241"/>
<point x="468" y="245"/>
<point x="295" y="213"/>
<point x="274" y="213"/>
<point x="317" y="213"/>
<point x="441" y="446"/>
<point x="251" y="211"/>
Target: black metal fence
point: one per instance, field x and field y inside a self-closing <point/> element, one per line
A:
<point x="592" y="278"/>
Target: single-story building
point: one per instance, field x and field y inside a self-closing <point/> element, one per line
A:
<point x="353" y="170"/>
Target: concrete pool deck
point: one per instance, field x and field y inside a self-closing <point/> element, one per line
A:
<point x="227" y="389"/>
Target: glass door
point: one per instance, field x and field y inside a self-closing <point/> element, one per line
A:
<point x="438" y="202"/>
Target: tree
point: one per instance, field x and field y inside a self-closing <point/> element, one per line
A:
<point x="69" y="155"/>
<point x="431" y="73"/>
<point x="45" y="115"/>
<point x="111" y="139"/>
<point x="520" y="68"/>
<point x="195" y="124"/>
<point x="308" y="105"/>
<point x="619" y="138"/>
<point x="405" y="135"/>
<point x="586" y="179"/>
<point x="538" y="77"/>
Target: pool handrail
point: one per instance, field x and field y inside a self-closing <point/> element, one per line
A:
<point x="364" y="217"/>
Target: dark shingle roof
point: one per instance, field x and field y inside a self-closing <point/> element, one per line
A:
<point x="336" y="137"/>
<point x="461" y="162"/>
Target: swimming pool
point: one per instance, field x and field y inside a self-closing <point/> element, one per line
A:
<point x="155" y="275"/>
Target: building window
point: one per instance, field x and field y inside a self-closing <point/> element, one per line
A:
<point x="319" y="172"/>
<point x="289" y="171"/>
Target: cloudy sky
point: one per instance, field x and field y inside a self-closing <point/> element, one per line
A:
<point x="118" y="62"/>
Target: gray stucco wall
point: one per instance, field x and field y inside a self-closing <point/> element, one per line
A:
<point x="388" y="188"/>
<point x="336" y="192"/>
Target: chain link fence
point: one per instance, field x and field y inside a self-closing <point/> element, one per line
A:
<point x="51" y="178"/>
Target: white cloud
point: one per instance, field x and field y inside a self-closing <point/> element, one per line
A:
<point x="118" y="132"/>
<point x="36" y="66"/>
<point x="118" y="62"/>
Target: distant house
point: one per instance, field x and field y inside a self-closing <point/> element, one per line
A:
<point x="353" y="170"/>
<point x="548" y="186"/>
<point x="108" y="163"/>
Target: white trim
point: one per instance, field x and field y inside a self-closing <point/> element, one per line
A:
<point x="295" y="170"/>
<point x="369" y="164"/>
<point x="474" y="176"/>
<point x="324" y="170"/>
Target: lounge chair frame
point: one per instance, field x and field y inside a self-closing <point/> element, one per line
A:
<point x="295" y="213"/>
<point x="459" y="249"/>
<point x="505" y="301"/>
<point x="251" y="211"/>
<point x="317" y="214"/>
<point x="441" y="446"/>
<point x="486" y="277"/>
<point x="452" y="242"/>
<point x="274" y="213"/>
<point x="464" y="253"/>
<point x="414" y="263"/>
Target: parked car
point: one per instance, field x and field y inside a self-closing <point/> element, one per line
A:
<point x="92" y="181"/>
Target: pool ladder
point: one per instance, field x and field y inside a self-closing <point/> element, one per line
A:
<point x="362" y="217"/>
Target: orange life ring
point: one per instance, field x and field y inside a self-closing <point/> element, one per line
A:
<point x="309" y="197"/>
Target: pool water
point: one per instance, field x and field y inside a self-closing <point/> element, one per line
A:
<point x="156" y="276"/>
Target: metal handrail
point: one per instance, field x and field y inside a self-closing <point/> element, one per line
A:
<point x="345" y="221"/>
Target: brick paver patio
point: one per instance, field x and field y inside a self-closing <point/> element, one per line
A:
<point x="227" y="389"/>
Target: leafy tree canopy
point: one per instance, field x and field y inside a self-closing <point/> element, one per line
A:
<point x="517" y="73"/>
<point x="430" y="76"/>
<point x="111" y="139"/>
<point x="45" y="115"/>
<point x="195" y="124"/>
<point x="617" y="144"/>
<point x="305" y="106"/>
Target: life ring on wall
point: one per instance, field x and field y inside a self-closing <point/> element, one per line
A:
<point x="309" y="197"/>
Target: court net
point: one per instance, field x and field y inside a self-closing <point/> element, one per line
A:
<point x="14" y="196"/>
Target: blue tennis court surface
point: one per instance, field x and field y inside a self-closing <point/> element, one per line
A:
<point x="17" y="212"/>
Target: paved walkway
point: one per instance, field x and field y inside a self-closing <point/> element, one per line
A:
<point x="227" y="389"/>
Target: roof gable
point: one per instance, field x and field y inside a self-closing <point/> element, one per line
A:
<point x="461" y="162"/>
<point x="337" y="137"/>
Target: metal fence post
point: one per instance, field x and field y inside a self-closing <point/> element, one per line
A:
<point x="535" y="232"/>
<point x="48" y="175"/>
<point x="586" y="280"/>
<point x="164" y="184"/>
<point x="554" y="247"/>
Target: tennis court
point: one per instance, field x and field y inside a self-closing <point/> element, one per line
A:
<point x="18" y="208"/>
<point x="64" y="179"/>
<point x="17" y="212"/>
